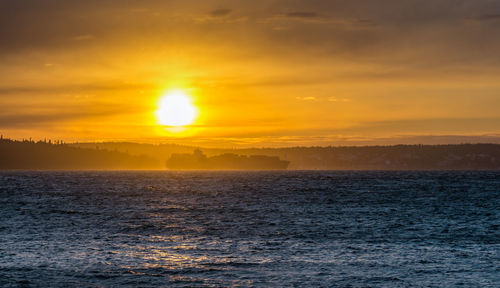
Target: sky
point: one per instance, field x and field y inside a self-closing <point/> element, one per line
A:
<point x="260" y="73"/>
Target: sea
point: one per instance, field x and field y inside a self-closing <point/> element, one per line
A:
<point x="250" y="229"/>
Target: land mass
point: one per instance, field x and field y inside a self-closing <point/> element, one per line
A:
<point x="48" y="155"/>
<point x="395" y="157"/>
<point x="28" y="154"/>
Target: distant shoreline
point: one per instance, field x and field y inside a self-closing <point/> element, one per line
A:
<point x="42" y="155"/>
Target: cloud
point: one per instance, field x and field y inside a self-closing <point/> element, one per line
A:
<point x="64" y="111"/>
<point x="297" y="140"/>
<point x="220" y="12"/>
<point x="84" y="37"/>
<point x="329" y="99"/>
<point x="307" y="98"/>
<point x="348" y="30"/>
<point x="297" y="16"/>
<point x="221" y="15"/>
<point x="338" y="47"/>
<point x="38" y="120"/>
<point x="302" y="15"/>
<point x="84" y="87"/>
<point x="434" y="126"/>
<point x="338" y="21"/>
<point x="487" y="17"/>
<point x="336" y="99"/>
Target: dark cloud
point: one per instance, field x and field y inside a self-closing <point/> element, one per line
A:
<point x="390" y="33"/>
<point x="488" y="17"/>
<point x="57" y="112"/>
<point x="430" y="126"/>
<point x="306" y="15"/>
<point x="220" y="12"/>
<point x="88" y="87"/>
<point x="411" y="140"/>
<point x="24" y="120"/>
<point x="36" y="120"/>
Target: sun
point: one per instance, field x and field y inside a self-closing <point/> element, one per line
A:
<point x="175" y="109"/>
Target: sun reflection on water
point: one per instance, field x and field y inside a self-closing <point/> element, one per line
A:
<point x="169" y="253"/>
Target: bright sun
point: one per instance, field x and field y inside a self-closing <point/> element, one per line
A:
<point x="175" y="109"/>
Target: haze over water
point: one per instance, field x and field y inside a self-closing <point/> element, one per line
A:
<point x="249" y="229"/>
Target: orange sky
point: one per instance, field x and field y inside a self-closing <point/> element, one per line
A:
<point x="261" y="73"/>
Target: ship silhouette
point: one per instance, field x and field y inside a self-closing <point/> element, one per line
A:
<point x="226" y="161"/>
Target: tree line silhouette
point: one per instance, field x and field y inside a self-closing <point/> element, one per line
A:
<point x="48" y="154"/>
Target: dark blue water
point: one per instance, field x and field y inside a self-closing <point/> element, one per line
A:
<point x="302" y="229"/>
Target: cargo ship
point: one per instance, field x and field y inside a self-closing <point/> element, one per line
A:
<point x="226" y="161"/>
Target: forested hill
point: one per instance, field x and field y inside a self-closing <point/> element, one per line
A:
<point x="398" y="157"/>
<point x="43" y="155"/>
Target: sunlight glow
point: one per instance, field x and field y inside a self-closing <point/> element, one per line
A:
<point x="175" y="109"/>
